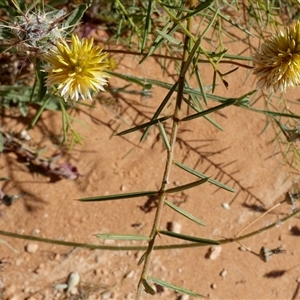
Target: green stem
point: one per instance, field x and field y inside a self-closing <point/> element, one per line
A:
<point x="246" y="236"/>
<point x="168" y="167"/>
<point x="143" y="248"/>
<point x="187" y="33"/>
<point x="161" y="201"/>
<point x="38" y="114"/>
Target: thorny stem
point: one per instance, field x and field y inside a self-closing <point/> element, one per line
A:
<point x="168" y="167"/>
<point x="161" y="198"/>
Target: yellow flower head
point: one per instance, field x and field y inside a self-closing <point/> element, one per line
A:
<point x="277" y="64"/>
<point x="77" y="69"/>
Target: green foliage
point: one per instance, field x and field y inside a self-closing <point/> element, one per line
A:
<point x="164" y="29"/>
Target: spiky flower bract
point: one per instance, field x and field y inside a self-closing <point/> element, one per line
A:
<point x="277" y="63"/>
<point x="35" y="32"/>
<point x="77" y="69"/>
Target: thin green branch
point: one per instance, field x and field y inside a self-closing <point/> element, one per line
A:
<point x="232" y="62"/>
<point x="142" y="248"/>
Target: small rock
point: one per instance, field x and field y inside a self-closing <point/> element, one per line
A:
<point x="105" y="295"/>
<point x="25" y="135"/>
<point x="74" y="291"/>
<point x="184" y="297"/>
<point x="226" y="206"/>
<point x="223" y="273"/>
<point x="58" y="295"/>
<point x="27" y="290"/>
<point x="213" y="286"/>
<point x="73" y="281"/>
<point x="298" y="280"/>
<point x="57" y="257"/>
<point x="19" y="262"/>
<point x="31" y="247"/>
<point x="36" y="231"/>
<point x="130" y="274"/>
<point x="174" y="227"/>
<point x="241" y="248"/>
<point x="214" y="252"/>
<point x="39" y="269"/>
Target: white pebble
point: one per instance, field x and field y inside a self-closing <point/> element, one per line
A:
<point x="241" y="248"/>
<point x="174" y="227"/>
<point x="31" y="247"/>
<point x="25" y="135"/>
<point x="36" y="231"/>
<point x="214" y="252"/>
<point x="130" y="274"/>
<point x="105" y="295"/>
<point x="73" y="280"/>
<point x="184" y="297"/>
<point x="19" y="261"/>
<point x="213" y="286"/>
<point x="226" y="206"/>
<point x="223" y="273"/>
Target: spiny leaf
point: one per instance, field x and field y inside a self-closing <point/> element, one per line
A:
<point x="118" y="196"/>
<point x="175" y="288"/>
<point x="210" y="110"/>
<point x="186" y="186"/>
<point x="164" y="136"/>
<point x="74" y="17"/>
<point x="210" y="180"/>
<point x="184" y="213"/>
<point x="189" y="238"/>
<point x="130" y="237"/>
<point x="148" y="124"/>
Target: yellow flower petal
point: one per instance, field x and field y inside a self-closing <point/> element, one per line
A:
<point x="277" y="63"/>
<point x="77" y="69"/>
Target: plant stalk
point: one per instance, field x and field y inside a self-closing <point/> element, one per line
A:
<point x="169" y="163"/>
